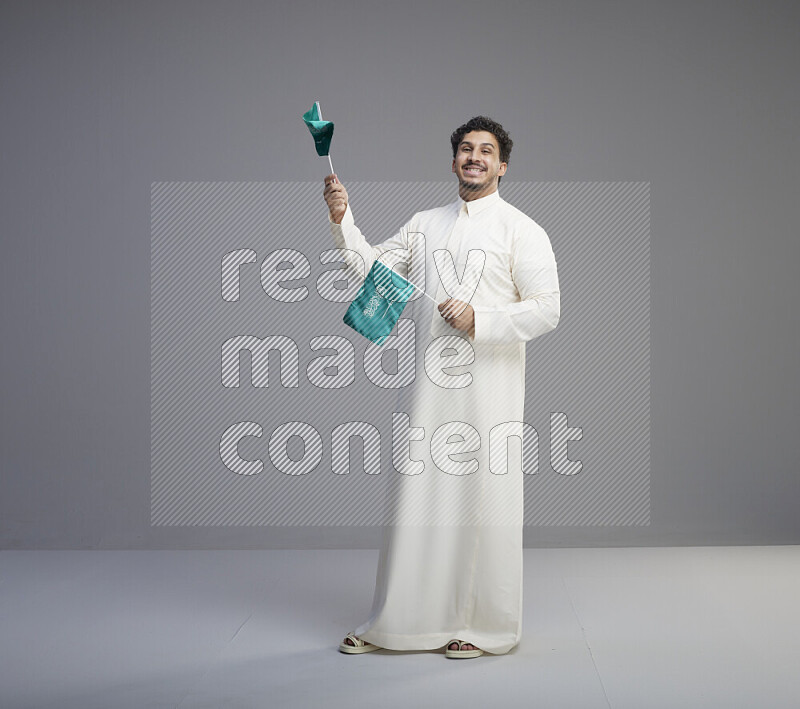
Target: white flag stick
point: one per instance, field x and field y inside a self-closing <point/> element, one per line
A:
<point x="413" y="284"/>
<point x="319" y="113"/>
<point x="423" y="292"/>
<point x="433" y="299"/>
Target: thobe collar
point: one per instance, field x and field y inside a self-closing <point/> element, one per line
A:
<point x="476" y="206"/>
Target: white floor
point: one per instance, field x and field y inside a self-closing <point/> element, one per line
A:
<point x="624" y="628"/>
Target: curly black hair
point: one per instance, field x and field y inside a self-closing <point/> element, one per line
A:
<point x="487" y="124"/>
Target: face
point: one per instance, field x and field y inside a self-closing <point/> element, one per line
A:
<point x="477" y="163"/>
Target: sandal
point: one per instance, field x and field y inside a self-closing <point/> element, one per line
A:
<point x="360" y="645"/>
<point x="461" y="654"/>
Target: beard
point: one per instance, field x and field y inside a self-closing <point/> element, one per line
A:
<point x="475" y="186"/>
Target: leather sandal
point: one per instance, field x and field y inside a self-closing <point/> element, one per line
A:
<point x="461" y="654"/>
<point x="359" y="647"/>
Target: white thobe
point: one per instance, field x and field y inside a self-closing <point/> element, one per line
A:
<point x="450" y="564"/>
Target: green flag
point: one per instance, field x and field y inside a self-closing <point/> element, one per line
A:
<point x="379" y="303"/>
<point x="321" y="130"/>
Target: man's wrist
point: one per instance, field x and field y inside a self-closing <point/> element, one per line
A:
<point x="342" y="219"/>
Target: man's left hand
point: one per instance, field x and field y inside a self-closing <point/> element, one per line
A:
<point x="458" y="315"/>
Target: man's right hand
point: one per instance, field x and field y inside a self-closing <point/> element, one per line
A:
<point x="336" y="196"/>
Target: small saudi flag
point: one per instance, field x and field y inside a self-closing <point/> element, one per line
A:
<point x="379" y="303"/>
<point x="322" y="131"/>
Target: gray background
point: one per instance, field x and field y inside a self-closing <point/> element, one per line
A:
<point x="102" y="99"/>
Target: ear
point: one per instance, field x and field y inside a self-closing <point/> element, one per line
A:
<point x="502" y="170"/>
<point x="453" y="168"/>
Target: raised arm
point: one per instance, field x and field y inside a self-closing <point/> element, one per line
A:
<point x="360" y="255"/>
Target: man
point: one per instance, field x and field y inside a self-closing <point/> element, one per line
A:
<point x="450" y="567"/>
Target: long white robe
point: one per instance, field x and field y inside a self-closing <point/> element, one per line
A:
<point x="450" y="564"/>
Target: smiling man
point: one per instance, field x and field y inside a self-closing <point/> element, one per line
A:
<point x="478" y="163"/>
<point x="450" y="567"/>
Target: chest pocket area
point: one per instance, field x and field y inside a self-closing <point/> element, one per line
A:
<point x="488" y="267"/>
<point x="470" y="268"/>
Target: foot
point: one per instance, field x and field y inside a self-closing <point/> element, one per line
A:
<point x="458" y="650"/>
<point x="354" y="645"/>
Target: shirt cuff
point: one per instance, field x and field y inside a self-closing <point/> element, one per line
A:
<point x="483" y="323"/>
<point x="347" y="219"/>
